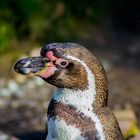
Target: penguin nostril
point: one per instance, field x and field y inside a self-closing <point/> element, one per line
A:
<point x="23" y="61"/>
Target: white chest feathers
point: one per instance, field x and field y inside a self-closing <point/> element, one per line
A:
<point x="59" y="130"/>
<point x="82" y="101"/>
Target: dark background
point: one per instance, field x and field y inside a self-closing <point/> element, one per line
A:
<point x="110" y="29"/>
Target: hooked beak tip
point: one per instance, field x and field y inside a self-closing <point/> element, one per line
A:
<point x="30" y="65"/>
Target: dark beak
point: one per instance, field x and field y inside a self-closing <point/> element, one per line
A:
<point x="31" y="65"/>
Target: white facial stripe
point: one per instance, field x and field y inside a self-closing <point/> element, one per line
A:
<point x="90" y="78"/>
<point x="82" y="100"/>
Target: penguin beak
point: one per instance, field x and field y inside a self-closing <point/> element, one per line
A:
<point x="31" y="65"/>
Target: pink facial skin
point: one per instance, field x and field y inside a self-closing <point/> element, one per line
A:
<point x="51" y="67"/>
<point x="51" y="56"/>
<point x="48" y="72"/>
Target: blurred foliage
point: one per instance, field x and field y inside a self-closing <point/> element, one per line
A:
<point x="133" y="131"/>
<point x="42" y="21"/>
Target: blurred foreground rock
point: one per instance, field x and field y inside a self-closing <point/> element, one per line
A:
<point x="23" y="105"/>
<point x="137" y="137"/>
<point x="127" y="122"/>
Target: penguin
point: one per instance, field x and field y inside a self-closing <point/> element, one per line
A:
<point x="78" y="109"/>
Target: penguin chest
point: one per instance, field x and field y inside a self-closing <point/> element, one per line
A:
<point x="58" y="129"/>
<point x="65" y="122"/>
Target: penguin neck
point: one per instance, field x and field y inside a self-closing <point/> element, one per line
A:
<point x="81" y="102"/>
<point x="80" y="99"/>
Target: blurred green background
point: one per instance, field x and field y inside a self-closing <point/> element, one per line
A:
<point x="41" y="21"/>
<point x="111" y="29"/>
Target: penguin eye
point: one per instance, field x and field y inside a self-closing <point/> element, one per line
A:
<point x="60" y="63"/>
<point x="63" y="63"/>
